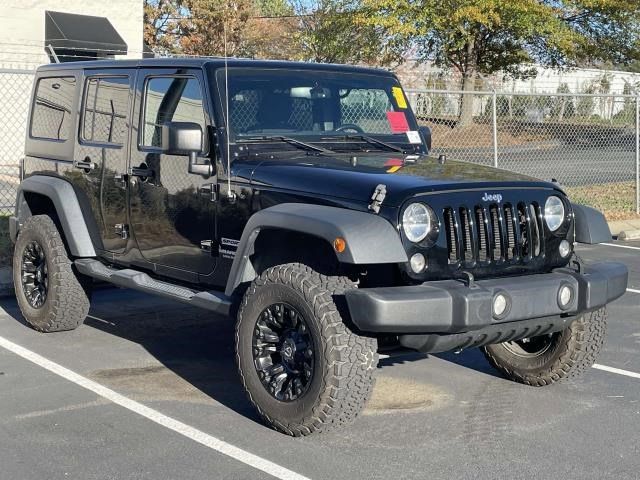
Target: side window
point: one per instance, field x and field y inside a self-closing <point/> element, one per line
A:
<point x="170" y="99"/>
<point x="51" y="116"/>
<point x="105" y="110"/>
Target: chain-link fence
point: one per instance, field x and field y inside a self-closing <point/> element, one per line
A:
<point x="589" y="143"/>
<point x="15" y="92"/>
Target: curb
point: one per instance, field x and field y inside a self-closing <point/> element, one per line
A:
<point x="629" y="235"/>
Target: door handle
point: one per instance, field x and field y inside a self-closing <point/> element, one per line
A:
<point x="141" y="172"/>
<point x="86" y="164"/>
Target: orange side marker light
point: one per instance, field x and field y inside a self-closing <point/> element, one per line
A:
<point x="339" y="244"/>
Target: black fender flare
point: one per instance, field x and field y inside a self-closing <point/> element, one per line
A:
<point x="67" y="206"/>
<point x="590" y="224"/>
<point x="370" y="239"/>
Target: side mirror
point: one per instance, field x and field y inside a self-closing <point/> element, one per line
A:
<point x="185" y="138"/>
<point x="425" y="133"/>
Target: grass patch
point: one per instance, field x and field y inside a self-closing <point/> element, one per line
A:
<point x="6" y="246"/>
<point x="616" y="200"/>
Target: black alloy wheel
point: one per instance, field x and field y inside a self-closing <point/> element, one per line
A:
<point x="283" y="352"/>
<point x="303" y="368"/>
<point x="35" y="274"/>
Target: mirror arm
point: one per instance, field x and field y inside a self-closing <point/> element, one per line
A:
<point x="203" y="169"/>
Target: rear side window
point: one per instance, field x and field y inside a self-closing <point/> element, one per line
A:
<point x="170" y="99"/>
<point x="105" y="110"/>
<point x="51" y="117"/>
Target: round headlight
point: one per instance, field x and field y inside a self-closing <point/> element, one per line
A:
<point x="553" y="213"/>
<point x="416" y="221"/>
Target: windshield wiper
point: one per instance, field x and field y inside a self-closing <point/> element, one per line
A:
<point x="292" y="141"/>
<point x="374" y="141"/>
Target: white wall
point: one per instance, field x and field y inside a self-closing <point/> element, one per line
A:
<point x="22" y="27"/>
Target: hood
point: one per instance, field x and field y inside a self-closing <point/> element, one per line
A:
<point x="404" y="176"/>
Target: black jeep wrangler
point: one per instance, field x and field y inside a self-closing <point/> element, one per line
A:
<point x="301" y="199"/>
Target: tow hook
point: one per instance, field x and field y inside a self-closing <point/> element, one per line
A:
<point x="467" y="278"/>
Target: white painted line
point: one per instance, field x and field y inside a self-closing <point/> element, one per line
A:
<point x="619" y="371"/>
<point x="620" y="246"/>
<point x="177" y="426"/>
<point x="633" y="290"/>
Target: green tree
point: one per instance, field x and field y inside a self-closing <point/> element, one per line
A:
<point x="333" y="31"/>
<point x="476" y="37"/>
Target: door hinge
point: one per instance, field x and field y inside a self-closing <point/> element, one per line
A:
<point x="122" y="230"/>
<point x="377" y="198"/>
<point x="210" y="189"/>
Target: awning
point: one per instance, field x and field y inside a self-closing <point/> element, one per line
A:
<point x="67" y="31"/>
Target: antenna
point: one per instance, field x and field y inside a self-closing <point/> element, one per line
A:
<point x="231" y="196"/>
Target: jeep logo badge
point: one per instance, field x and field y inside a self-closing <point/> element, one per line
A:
<point x="492" y="197"/>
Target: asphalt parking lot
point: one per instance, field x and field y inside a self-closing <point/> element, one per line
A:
<point x="174" y="409"/>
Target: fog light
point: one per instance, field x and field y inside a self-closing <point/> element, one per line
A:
<point x="565" y="296"/>
<point x="565" y="248"/>
<point x="500" y="305"/>
<point x="418" y="262"/>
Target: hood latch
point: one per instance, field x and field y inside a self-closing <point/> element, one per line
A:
<point x="377" y="198"/>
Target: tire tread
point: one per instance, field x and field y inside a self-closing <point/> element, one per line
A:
<point x="351" y="359"/>
<point x="581" y="346"/>
<point x="68" y="298"/>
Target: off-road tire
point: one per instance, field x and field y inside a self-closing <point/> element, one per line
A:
<point x="345" y="362"/>
<point x="68" y="295"/>
<point x="574" y="350"/>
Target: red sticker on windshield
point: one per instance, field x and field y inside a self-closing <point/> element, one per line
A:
<point x="397" y="122"/>
<point x="394" y="162"/>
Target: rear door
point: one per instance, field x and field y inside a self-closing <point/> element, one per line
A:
<point x="172" y="212"/>
<point x="100" y="156"/>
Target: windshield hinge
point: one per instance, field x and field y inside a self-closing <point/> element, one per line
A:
<point x="378" y="197"/>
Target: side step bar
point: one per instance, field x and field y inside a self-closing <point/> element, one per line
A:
<point x="215" y="301"/>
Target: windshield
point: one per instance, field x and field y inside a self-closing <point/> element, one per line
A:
<point x="319" y="106"/>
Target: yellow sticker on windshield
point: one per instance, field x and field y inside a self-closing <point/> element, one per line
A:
<point x="399" y="96"/>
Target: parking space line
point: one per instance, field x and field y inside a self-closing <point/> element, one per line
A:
<point x="633" y="290"/>
<point x="155" y="416"/>
<point x="620" y="246"/>
<point x="619" y="371"/>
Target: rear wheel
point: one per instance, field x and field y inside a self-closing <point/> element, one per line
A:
<point x="547" y="359"/>
<point x="51" y="295"/>
<point x="303" y="368"/>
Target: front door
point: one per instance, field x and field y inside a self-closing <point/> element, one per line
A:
<point x="100" y="157"/>
<point x="172" y="211"/>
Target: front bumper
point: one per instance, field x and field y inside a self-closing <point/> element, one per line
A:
<point x="450" y="307"/>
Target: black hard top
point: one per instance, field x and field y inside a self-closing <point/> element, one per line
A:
<point x="214" y="62"/>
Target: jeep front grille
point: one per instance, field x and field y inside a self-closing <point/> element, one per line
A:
<point x="493" y="233"/>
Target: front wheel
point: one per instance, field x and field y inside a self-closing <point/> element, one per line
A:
<point x="547" y="359"/>
<point x="303" y="368"/>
